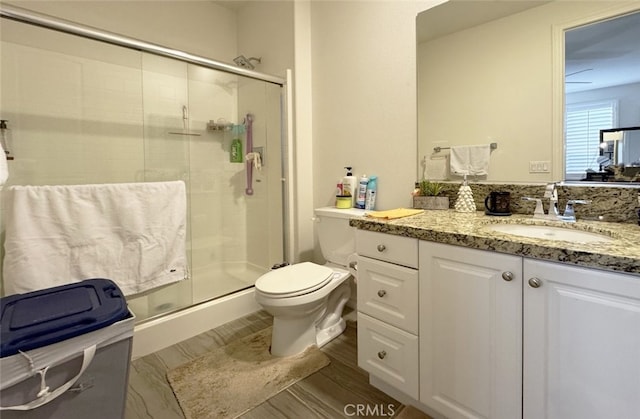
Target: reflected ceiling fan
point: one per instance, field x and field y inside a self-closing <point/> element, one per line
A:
<point x="577" y="72"/>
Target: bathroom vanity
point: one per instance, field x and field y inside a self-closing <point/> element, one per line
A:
<point x="469" y="322"/>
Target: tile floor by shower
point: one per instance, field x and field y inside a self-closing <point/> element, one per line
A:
<point x="321" y="395"/>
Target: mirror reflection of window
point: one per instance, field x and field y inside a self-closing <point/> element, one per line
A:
<point x="583" y="123"/>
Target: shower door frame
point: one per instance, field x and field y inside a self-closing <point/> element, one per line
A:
<point x="49" y="22"/>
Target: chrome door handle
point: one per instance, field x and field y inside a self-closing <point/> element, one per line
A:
<point x="535" y="283"/>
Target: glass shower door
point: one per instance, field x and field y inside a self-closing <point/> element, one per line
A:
<point x="192" y="115"/>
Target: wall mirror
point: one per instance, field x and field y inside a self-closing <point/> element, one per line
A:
<point x="602" y="100"/>
<point x="494" y="71"/>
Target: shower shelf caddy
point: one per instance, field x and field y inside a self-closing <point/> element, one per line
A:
<point x="220" y="126"/>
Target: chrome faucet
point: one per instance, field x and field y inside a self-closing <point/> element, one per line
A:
<point x="539" y="211"/>
<point x="569" y="213"/>
<point x="551" y="193"/>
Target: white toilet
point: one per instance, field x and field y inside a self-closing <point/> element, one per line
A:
<point x="306" y="299"/>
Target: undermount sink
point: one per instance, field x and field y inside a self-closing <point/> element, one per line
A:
<point x="550" y="233"/>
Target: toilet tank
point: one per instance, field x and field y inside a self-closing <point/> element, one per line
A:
<point x="337" y="239"/>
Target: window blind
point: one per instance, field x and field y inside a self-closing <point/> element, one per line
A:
<point x="582" y="136"/>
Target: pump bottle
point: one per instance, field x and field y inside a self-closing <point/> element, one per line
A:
<point x="349" y="185"/>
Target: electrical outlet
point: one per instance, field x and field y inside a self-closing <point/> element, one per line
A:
<point x="543" y="166"/>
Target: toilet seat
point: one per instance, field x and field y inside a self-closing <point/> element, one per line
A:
<point x="294" y="280"/>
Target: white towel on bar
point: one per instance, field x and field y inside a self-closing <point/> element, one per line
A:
<point x="131" y="233"/>
<point x="470" y="159"/>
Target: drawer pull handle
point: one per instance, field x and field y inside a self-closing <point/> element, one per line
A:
<point x="382" y="354"/>
<point x="381" y="248"/>
<point x="381" y="293"/>
<point x="507" y="276"/>
<point x="535" y="283"/>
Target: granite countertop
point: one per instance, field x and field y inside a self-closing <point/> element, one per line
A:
<point x="622" y="253"/>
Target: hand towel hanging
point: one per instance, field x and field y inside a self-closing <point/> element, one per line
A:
<point x="470" y="160"/>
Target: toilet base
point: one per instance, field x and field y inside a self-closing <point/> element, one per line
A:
<point x="292" y="335"/>
<point x="325" y="336"/>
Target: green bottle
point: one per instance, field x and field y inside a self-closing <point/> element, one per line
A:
<point x="236" y="151"/>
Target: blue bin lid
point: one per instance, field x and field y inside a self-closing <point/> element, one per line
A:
<point x="40" y="318"/>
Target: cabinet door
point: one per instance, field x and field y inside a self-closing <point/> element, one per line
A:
<point x="389" y="293"/>
<point x="470" y="332"/>
<point x="388" y="353"/>
<point x="581" y="343"/>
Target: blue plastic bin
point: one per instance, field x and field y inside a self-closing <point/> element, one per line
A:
<point x="65" y="352"/>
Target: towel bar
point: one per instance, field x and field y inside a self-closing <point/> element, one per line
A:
<point x="438" y="149"/>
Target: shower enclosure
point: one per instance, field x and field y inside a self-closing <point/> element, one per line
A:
<point x="83" y="111"/>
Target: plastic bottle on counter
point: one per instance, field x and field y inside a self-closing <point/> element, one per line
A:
<point x="349" y="185"/>
<point x="372" y="189"/>
<point x="362" y="192"/>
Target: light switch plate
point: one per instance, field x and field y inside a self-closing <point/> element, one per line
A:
<point x="541" y="166"/>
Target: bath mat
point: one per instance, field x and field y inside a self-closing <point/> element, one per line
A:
<point x="232" y="380"/>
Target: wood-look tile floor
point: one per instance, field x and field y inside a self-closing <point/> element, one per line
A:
<point x="324" y="394"/>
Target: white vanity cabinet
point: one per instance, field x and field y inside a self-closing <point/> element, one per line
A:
<point x="470" y="332"/>
<point x="581" y="343"/>
<point x="388" y="309"/>
<point x="498" y="336"/>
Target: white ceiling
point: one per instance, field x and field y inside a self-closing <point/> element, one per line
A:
<point x="605" y="54"/>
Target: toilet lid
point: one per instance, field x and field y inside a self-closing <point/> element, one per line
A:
<point x="294" y="279"/>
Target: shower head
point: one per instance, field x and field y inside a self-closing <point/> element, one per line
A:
<point x="244" y="62"/>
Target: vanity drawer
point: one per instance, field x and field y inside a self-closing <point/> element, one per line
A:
<point x="388" y="353"/>
<point x="394" y="249"/>
<point x="388" y="292"/>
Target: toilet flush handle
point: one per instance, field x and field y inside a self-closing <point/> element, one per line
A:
<point x="354" y="265"/>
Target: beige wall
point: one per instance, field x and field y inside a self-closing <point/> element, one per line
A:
<point x="355" y="102"/>
<point x="198" y="27"/>
<point x="364" y="95"/>
<point x="265" y="29"/>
